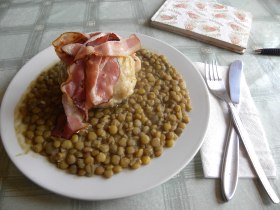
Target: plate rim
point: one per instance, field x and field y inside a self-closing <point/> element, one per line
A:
<point x="12" y="157"/>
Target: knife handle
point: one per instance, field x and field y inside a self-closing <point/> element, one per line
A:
<point x="251" y="153"/>
<point x="230" y="165"/>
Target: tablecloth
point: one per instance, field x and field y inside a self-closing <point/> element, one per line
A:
<point x="28" y="26"/>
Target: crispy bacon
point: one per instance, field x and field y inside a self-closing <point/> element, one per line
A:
<point x="93" y="70"/>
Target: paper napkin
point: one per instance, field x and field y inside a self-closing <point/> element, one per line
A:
<point x="211" y="22"/>
<point x="215" y="139"/>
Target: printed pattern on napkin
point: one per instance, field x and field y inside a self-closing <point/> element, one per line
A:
<point x="210" y="19"/>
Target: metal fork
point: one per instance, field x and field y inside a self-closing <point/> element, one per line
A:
<point x="217" y="87"/>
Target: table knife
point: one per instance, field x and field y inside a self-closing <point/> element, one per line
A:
<point x="243" y="135"/>
<point x="230" y="164"/>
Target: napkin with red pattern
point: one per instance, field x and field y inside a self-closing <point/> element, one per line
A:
<point x="211" y="22"/>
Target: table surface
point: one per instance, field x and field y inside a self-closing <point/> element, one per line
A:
<point x="28" y="26"/>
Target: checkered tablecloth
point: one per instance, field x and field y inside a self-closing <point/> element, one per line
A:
<point x="28" y="26"/>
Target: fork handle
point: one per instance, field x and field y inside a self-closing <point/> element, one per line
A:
<point x="251" y="153"/>
<point x="230" y="165"/>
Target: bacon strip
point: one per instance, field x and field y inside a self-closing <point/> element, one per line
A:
<point x="74" y="86"/>
<point x="100" y="83"/>
<point x="123" y="47"/>
<point x="65" y="39"/>
<point x="93" y="70"/>
<point x="100" y="38"/>
<point x="72" y="49"/>
<point x="71" y="121"/>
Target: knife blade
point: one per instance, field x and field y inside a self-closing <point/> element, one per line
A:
<point x="235" y="71"/>
<point x="229" y="172"/>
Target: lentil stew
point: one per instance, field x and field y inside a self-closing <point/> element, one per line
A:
<point x="122" y="137"/>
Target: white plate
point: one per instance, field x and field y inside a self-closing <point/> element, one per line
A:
<point x="128" y="182"/>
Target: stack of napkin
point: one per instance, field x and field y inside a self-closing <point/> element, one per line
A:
<point x="213" y="147"/>
<point x="217" y="24"/>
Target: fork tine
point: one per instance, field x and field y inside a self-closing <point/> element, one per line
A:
<point x="212" y="71"/>
<point x="216" y="72"/>
<point x="206" y="71"/>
